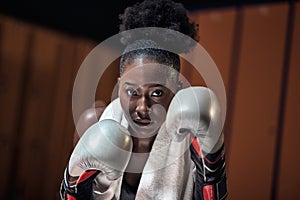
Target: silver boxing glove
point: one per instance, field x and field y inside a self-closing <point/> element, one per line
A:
<point x="196" y="110"/>
<point x="103" y="150"/>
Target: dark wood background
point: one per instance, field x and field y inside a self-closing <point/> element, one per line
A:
<point x="256" y="48"/>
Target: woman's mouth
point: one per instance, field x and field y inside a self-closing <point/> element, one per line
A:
<point x="142" y="122"/>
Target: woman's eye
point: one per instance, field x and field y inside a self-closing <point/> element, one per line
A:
<point x="157" y="93"/>
<point x="131" y="92"/>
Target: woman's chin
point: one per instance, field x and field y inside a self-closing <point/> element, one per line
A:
<point x="143" y="130"/>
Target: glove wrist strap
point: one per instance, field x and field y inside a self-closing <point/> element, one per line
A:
<point x="77" y="188"/>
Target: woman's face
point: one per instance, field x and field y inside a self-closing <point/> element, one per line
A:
<point x="145" y="92"/>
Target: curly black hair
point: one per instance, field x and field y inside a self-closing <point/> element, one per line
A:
<point x="165" y="14"/>
<point x="159" y="13"/>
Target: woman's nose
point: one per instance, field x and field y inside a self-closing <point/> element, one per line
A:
<point x="143" y="107"/>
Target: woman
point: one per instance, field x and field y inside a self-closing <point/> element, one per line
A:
<point x="143" y="153"/>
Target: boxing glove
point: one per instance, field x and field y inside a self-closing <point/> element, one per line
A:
<point x="195" y="111"/>
<point x="103" y="150"/>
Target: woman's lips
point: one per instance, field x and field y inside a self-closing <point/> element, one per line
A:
<point x="142" y="122"/>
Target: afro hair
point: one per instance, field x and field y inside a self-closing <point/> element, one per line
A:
<point x="163" y="14"/>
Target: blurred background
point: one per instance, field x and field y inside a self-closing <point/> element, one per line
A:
<point x="254" y="44"/>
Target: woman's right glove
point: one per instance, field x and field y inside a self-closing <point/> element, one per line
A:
<point x="103" y="150"/>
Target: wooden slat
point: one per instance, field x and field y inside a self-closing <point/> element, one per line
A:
<point x="62" y="103"/>
<point x="37" y="117"/>
<point x="107" y="86"/>
<point x="289" y="175"/>
<point x="257" y="102"/>
<point x="14" y="44"/>
<point x="83" y="49"/>
<point x="216" y="36"/>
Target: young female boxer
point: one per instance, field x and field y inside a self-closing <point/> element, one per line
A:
<point x="156" y="140"/>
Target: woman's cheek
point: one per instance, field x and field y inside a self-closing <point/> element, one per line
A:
<point x="129" y="108"/>
<point x="158" y="113"/>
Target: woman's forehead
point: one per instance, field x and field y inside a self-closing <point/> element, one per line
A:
<point x="148" y="71"/>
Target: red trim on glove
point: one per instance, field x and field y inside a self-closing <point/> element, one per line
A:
<point x="69" y="197"/>
<point x="85" y="175"/>
<point x="196" y="145"/>
<point x="208" y="192"/>
<point x="214" y="162"/>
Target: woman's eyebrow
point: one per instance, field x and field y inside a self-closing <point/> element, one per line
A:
<point x="130" y="84"/>
<point x="150" y="86"/>
<point x="158" y="85"/>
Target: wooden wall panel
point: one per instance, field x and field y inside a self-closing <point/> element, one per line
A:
<point x="14" y="38"/>
<point x="37" y="116"/>
<point x="216" y="36"/>
<point x="257" y="102"/>
<point x="108" y="84"/>
<point x="75" y="50"/>
<point x="289" y="174"/>
<point x="216" y="30"/>
<point x="56" y="148"/>
<point x="83" y="49"/>
<point x="71" y="53"/>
